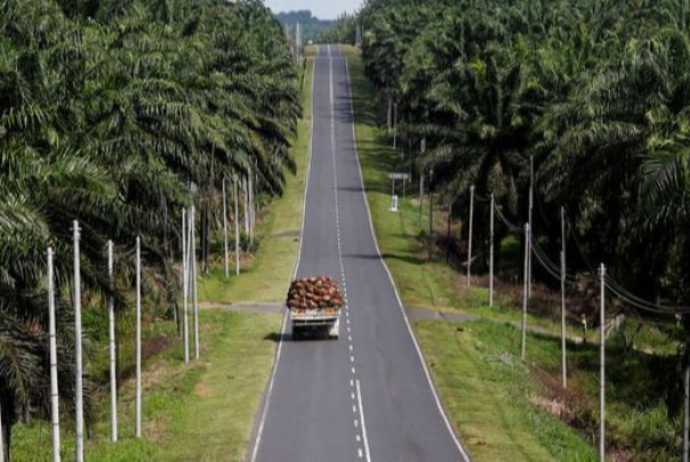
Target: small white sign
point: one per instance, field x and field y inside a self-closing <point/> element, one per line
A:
<point x="394" y="203"/>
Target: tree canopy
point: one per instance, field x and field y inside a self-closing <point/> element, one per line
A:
<point x="109" y="111"/>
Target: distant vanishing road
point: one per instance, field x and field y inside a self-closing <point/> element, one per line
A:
<point x="366" y="396"/>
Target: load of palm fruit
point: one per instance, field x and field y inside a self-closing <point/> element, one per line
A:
<point x="313" y="293"/>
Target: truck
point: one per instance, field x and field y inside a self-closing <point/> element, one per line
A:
<point x="314" y="304"/>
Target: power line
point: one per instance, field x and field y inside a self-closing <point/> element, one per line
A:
<point x="509" y="224"/>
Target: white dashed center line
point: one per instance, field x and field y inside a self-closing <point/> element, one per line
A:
<point x="355" y="393"/>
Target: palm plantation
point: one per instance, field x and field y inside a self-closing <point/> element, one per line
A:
<point x="596" y="94"/>
<point x="110" y="111"/>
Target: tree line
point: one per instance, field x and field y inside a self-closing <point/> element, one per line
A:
<point x="595" y="94"/>
<point x="118" y="114"/>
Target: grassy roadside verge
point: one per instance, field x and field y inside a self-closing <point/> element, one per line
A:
<point x="485" y="388"/>
<point x="265" y="277"/>
<point x="203" y="410"/>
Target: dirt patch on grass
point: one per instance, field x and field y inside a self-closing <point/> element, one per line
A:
<point x="202" y="390"/>
<point x="149" y="349"/>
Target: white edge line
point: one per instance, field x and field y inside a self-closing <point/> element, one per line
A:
<point x="364" y="425"/>
<point x="267" y="400"/>
<point x="390" y="276"/>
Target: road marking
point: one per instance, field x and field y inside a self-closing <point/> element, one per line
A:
<point x="359" y="452"/>
<point x="356" y="423"/>
<point x="358" y="438"/>
<point x="352" y="359"/>
<point x="354" y="408"/>
<point x="353" y="371"/>
<point x="283" y="330"/>
<point x="350" y="347"/>
<point x="390" y="277"/>
<point x="364" y="425"/>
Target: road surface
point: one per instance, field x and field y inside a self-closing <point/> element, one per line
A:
<point x="366" y="396"/>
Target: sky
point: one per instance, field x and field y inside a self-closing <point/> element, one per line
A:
<point x="322" y="9"/>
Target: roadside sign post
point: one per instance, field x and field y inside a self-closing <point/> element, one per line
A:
<point x="394" y="198"/>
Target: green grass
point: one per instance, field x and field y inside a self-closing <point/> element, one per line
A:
<point x="496" y="400"/>
<point x="265" y="277"/>
<point x="199" y="411"/>
<point x="202" y="410"/>
<point x="487" y="389"/>
<point x="481" y="400"/>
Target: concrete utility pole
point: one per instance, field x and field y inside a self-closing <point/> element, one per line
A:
<point x="54" y="396"/>
<point x="112" y="345"/>
<point x="564" y="364"/>
<point x="2" y="441"/>
<point x="525" y="295"/>
<point x="395" y="125"/>
<point x="686" y="409"/>
<point x="531" y="223"/>
<point x="225" y="231"/>
<point x="469" y="242"/>
<point x="602" y="365"/>
<point x="252" y="220"/>
<point x="298" y="42"/>
<point x="137" y="421"/>
<point x="389" y="114"/>
<point x="79" y="385"/>
<point x="491" y="251"/>
<point x="195" y="286"/>
<point x="237" y="226"/>
<point x="421" y="183"/>
<point x="245" y="184"/>
<point x="431" y="214"/>
<point x="185" y="284"/>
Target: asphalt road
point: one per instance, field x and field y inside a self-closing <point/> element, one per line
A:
<point x="366" y="396"/>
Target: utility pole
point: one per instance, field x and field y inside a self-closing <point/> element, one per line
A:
<point x="298" y="42"/>
<point x="112" y="345"/>
<point x="686" y="406"/>
<point x="245" y="183"/>
<point x="395" y="125"/>
<point x="491" y="251"/>
<point x="2" y="441"/>
<point x="137" y="421"/>
<point x="431" y="214"/>
<point x="531" y="223"/>
<point x="195" y="287"/>
<point x="225" y="231"/>
<point x="602" y="365"/>
<point x="564" y="364"/>
<point x="54" y="394"/>
<point x="421" y="183"/>
<point x="236" y="193"/>
<point x="79" y="385"/>
<point x="469" y="242"/>
<point x="252" y="208"/>
<point x="525" y="295"/>
<point x="185" y="283"/>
